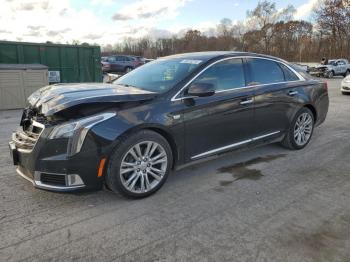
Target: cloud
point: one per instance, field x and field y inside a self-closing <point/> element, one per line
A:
<point x="61" y="21"/>
<point x="121" y="17"/>
<point x="101" y="2"/>
<point x="47" y="20"/>
<point x="57" y="32"/>
<point x="146" y="9"/>
<point x="304" y="10"/>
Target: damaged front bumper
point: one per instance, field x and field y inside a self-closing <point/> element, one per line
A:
<point x="24" y="152"/>
<point x="47" y="164"/>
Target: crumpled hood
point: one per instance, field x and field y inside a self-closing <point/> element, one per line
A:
<point x="322" y="66"/>
<point x="54" y="98"/>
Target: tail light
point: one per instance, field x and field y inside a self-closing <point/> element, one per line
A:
<point x="325" y="86"/>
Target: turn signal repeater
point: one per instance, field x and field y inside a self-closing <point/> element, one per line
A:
<point x="101" y="167"/>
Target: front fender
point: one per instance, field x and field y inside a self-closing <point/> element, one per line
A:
<point x="109" y="133"/>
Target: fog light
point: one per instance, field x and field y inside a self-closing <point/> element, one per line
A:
<point x="74" y="180"/>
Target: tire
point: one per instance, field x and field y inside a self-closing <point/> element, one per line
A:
<point x="347" y="73"/>
<point x="291" y="139"/>
<point x="128" y="69"/>
<point x="330" y="74"/>
<point x="127" y="179"/>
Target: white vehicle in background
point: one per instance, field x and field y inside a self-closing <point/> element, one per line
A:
<point x="345" y="85"/>
<point x="335" y="67"/>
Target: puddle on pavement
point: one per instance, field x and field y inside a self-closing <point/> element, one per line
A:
<point x="242" y="170"/>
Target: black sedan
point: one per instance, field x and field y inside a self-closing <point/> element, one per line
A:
<point x="129" y="135"/>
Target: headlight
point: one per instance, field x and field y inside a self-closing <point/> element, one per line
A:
<point x="76" y="131"/>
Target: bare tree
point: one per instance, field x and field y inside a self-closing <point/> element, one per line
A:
<point x="266" y="30"/>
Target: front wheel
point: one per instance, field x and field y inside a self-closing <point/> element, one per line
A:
<point x="128" y="69"/>
<point x="347" y="73"/>
<point x="140" y="164"/>
<point x="330" y="74"/>
<point x="300" y="130"/>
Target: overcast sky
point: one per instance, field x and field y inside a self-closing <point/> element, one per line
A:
<point x="110" y="21"/>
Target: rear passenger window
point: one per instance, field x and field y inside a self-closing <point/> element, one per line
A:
<point x="111" y="59"/>
<point x="263" y="71"/>
<point x="225" y="75"/>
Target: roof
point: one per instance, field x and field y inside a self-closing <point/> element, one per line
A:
<point x="215" y="54"/>
<point x="22" y="66"/>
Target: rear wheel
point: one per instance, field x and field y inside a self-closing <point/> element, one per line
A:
<point x="347" y="73"/>
<point x="300" y="131"/>
<point x="140" y="165"/>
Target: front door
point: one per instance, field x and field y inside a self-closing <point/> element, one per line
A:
<point x="224" y="120"/>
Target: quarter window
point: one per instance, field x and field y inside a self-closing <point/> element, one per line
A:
<point x="288" y="74"/>
<point x="225" y="75"/>
<point x="263" y="71"/>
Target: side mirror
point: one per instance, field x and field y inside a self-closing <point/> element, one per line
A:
<point x="201" y="89"/>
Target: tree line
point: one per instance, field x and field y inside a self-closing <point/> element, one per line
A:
<point x="265" y="30"/>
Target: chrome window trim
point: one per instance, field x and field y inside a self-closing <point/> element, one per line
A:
<point x="301" y="78"/>
<point x="217" y="150"/>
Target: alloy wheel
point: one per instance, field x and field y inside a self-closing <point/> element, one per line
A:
<point x="303" y="129"/>
<point x="143" y="167"/>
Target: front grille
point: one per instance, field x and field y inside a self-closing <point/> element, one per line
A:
<point x="346" y="88"/>
<point x="52" y="179"/>
<point x="26" y="139"/>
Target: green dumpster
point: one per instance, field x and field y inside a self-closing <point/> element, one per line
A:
<point x="66" y="63"/>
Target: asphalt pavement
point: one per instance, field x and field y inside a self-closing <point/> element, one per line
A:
<point x="261" y="204"/>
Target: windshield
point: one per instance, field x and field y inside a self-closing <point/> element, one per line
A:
<point x="160" y="75"/>
<point x="332" y="62"/>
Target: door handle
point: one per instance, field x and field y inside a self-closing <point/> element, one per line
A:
<point x="292" y="93"/>
<point x="246" y="101"/>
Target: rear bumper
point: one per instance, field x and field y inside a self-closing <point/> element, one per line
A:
<point x="322" y="107"/>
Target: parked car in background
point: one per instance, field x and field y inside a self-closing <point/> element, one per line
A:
<point x="345" y="86"/>
<point x="301" y="67"/>
<point x="121" y="63"/>
<point x="335" y="67"/>
<point x="175" y="110"/>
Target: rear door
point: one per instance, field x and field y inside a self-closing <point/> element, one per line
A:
<point x="120" y="63"/>
<point x="276" y="89"/>
<point x="223" y="121"/>
<point x="341" y="67"/>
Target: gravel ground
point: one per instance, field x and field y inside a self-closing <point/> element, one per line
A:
<point x="262" y="204"/>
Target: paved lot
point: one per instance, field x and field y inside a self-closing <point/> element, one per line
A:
<point x="280" y="205"/>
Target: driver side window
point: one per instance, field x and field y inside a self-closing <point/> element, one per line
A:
<point x="225" y="75"/>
